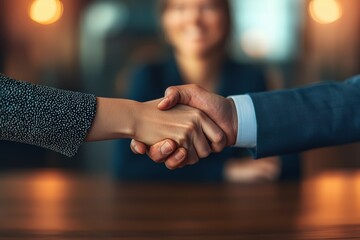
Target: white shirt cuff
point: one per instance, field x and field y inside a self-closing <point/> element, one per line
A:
<point x="247" y="125"/>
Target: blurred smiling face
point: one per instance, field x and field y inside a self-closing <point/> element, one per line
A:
<point x="195" y="27"/>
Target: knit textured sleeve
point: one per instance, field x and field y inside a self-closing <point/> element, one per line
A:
<point x="43" y="116"/>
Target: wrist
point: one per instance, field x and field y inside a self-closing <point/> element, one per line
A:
<point x="146" y="122"/>
<point x="233" y="121"/>
<point x="127" y="120"/>
<point x="115" y="118"/>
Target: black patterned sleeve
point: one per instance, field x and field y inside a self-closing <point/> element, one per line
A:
<point x="43" y="116"/>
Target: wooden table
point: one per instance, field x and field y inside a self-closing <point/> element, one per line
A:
<point x="58" y="205"/>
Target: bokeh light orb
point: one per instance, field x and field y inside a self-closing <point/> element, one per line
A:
<point x="325" y="11"/>
<point x="255" y="44"/>
<point x="46" y="11"/>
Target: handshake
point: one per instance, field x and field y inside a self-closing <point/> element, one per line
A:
<point x="193" y="121"/>
<point x="187" y="124"/>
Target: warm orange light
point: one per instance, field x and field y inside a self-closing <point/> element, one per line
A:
<point x="48" y="194"/>
<point x="325" y="11"/>
<point x="329" y="199"/>
<point x="46" y="11"/>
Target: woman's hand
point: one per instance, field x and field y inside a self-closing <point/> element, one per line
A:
<point x="190" y="128"/>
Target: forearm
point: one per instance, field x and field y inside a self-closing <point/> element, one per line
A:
<point x="115" y="118"/>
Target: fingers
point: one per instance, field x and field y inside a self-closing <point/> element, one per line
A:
<point x="157" y="152"/>
<point x="165" y="151"/>
<point x="179" y="159"/>
<point x="162" y="150"/>
<point x="137" y="147"/>
<point x="189" y="156"/>
<point x="214" y="133"/>
<point x="201" y="145"/>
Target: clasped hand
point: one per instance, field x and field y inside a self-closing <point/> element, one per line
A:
<point x="188" y="127"/>
<point x="185" y="133"/>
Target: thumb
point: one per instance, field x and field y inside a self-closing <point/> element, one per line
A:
<point x="177" y="95"/>
<point x="172" y="97"/>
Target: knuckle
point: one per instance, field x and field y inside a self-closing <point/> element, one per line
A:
<point x="219" y="142"/>
<point x="188" y="130"/>
<point x="183" y="142"/>
<point x="195" y="87"/>
<point x="198" y="114"/>
<point x="191" y="127"/>
<point x="219" y="137"/>
<point x="170" y="89"/>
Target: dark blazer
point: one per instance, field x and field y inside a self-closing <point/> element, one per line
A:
<point x="315" y="116"/>
<point x="150" y="82"/>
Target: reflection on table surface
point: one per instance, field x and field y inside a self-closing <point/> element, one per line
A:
<point x="58" y="205"/>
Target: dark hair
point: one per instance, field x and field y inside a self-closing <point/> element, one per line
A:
<point x="162" y="4"/>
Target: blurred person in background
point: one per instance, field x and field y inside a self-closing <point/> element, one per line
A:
<point x="198" y="32"/>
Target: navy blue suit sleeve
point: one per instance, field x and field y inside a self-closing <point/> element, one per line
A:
<point x="299" y="119"/>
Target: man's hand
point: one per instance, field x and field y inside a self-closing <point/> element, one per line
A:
<point x="189" y="127"/>
<point x="221" y="110"/>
